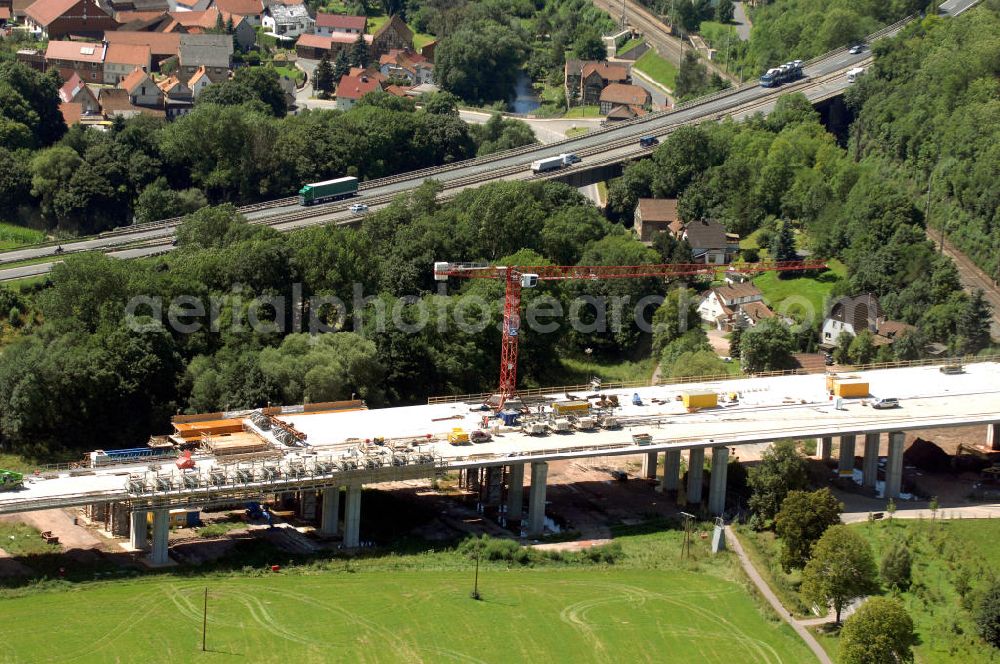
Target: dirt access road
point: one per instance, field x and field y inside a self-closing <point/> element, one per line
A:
<point x="972" y="278"/>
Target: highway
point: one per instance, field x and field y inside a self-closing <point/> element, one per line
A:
<point x="769" y="409"/>
<point x="611" y="145"/>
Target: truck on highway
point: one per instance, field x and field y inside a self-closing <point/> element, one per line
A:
<point x="554" y="163"/>
<point x="853" y="74"/>
<point x="786" y="73"/>
<point x="328" y="190"/>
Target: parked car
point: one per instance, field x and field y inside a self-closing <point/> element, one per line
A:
<point x="359" y="207"/>
<point x="857" y="48"/>
<point x="649" y="141"/>
<point x="952" y="369"/>
<point x="480" y="436"/>
<point x="888" y="402"/>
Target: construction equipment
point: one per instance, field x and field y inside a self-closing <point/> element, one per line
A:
<point x="458" y="436"/>
<point x="642" y="439"/>
<point x="518" y="277"/>
<point x="565" y="407"/>
<point x="184" y="461"/>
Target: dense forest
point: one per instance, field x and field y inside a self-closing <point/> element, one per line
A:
<point x="234" y="147"/>
<point x="929" y="110"/>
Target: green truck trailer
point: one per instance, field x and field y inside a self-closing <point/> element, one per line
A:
<point x="328" y="190"/>
<point x="10" y="480"/>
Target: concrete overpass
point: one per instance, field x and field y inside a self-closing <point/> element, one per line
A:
<point x="603" y="153"/>
<point x="333" y="452"/>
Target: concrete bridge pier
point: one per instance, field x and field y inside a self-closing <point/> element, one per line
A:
<point x="824" y="447"/>
<point x="307" y="505"/>
<point x="696" y="463"/>
<point x="352" y="517"/>
<point x="671" y="479"/>
<point x="536" y="502"/>
<point x="993" y="435"/>
<point x="493" y="487"/>
<point x="119" y="521"/>
<point x="649" y="466"/>
<point x="137" y="533"/>
<point x="869" y="469"/>
<point x="894" y="465"/>
<point x="845" y="465"/>
<point x="515" y="493"/>
<point x="159" y="555"/>
<point x="717" y="487"/>
<point x="329" y="516"/>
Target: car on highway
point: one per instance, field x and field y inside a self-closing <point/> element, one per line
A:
<point x="952" y="369"/>
<point x="857" y="48"/>
<point x="888" y="402"/>
<point x="649" y="141"/>
<point x="359" y="207"/>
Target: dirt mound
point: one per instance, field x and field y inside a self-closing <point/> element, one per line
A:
<point x="927" y="456"/>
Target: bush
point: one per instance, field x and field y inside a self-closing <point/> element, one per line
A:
<point x="880" y="631"/>
<point x="988" y="616"/>
<point x="895" y="567"/>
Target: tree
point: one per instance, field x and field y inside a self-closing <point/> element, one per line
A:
<point x="782" y="469"/>
<point x="323" y="77"/>
<point x="725" y="12"/>
<point x="767" y="346"/>
<point x="974" y="324"/>
<point x="442" y="103"/>
<point x="359" y="53"/>
<point x="841" y="569"/>
<point x="803" y="518"/>
<point x="783" y="245"/>
<point x="341" y="66"/>
<point x="987" y="615"/>
<point x="37" y="95"/>
<point x="677" y="314"/>
<point x="895" y="567"/>
<point x="879" y="632"/>
<point x="51" y="171"/>
<point x="692" y="76"/>
<point x="588" y="45"/>
<point x="159" y="201"/>
<point x="480" y="62"/>
<point x="862" y="349"/>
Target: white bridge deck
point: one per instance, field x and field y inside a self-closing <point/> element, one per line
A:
<point x="786" y="407"/>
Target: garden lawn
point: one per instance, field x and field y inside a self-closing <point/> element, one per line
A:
<point x="583" y="112"/>
<point x="413" y="608"/>
<point x="800" y="296"/>
<point x="658" y="69"/>
<point x="12" y="236"/>
<point x="419" y="38"/>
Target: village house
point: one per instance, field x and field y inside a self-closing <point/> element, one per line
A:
<point x="734" y="305"/>
<point x="203" y="22"/>
<point x="115" y="103"/>
<point x="58" y="19"/>
<point x="83" y="58"/>
<point x="252" y="10"/>
<point x="710" y="243"/>
<point x="351" y="89"/>
<point x="585" y="79"/>
<point x="198" y="82"/>
<point x="327" y="24"/>
<point x="287" y="21"/>
<point x="654" y="216"/>
<point x="162" y="46"/>
<point x="75" y="91"/>
<point x="212" y="52"/>
<point x="407" y="64"/>
<point x="121" y="59"/>
<point x="856" y="314"/>
<point x="314" y="47"/>
<point x="136" y="6"/>
<point x="393" y="35"/>
<point x="142" y="91"/>
<point x="623" y="94"/>
<point x="178" y="99"/>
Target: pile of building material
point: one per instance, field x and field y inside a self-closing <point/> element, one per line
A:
<point x="229" y="444"/>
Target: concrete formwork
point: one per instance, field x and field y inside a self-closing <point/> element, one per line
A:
<point x="159" y="554"/>
<point x="137" y="531"/>
<point x="119" y="520"/>
<point x="671" y="479"/>
<point x="352" y="516"/>
<point x="717" y="487"/>
<point x="307" y="505"/>
<point x="869" y="468"/>
<point x="536" y="502"/>
<point x="696" y="463"/>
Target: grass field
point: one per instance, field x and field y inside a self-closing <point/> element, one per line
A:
<point x="293" y="73"/>
<point x="12" y="236"/>
<point x="800" y="296"/>
<point x="576" y="131"/>
<point x="583" y="112"/>
<point x="658" y="69"/>
<point x="580" y="370"/>
<point x="413" y="608"/>
<point x="629" y="45"/>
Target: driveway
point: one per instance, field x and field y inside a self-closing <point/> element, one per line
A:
<point x="742" y="21"/>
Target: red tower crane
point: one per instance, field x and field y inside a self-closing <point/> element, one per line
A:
<point x="517" y="277"/>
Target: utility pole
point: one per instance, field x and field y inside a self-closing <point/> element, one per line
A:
<point x="686" y="546"/>
<point x="204" y="621"/>
<point x="475" y="585"/>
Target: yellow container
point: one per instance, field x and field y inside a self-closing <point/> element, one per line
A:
<point x="458" y="436"/>
<point x="700" y="399"/>
<point x="563" y="407"/>
<point x="852" y="388"/>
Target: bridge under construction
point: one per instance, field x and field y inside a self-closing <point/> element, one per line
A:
<point x="325" y="451"/>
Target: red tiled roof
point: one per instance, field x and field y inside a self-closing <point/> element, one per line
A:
<point x="314" y="41"/>
<point x="735" y="291"/>
<point x="128" y="54"/>
<point x="354" y="87"/>
<point x="607" y="71"/>
<point x="159" y="43"/>
<point x="658" y="209"/>
<point x="127" y="16"/>
<point x="70" y="88"/>
<point x="622" y="93"/>
<point x="206" y="19"/>
<point x="71" y="112"/>
<point x="44" y="12"/>
<point x="342" y="21"/>
<point x="241" y="7"/>
<point x="114" y="99"/>
<point x="74" y="51"/>
<point x="132" y="80"/>
<point x="397" y="90"/>
<point x="4" y="13"/>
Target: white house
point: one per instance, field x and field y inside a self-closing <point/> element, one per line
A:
<point x="327" y="24"/>
<point x="732" y="304"/>
<point x="287" y="20"/>
<point x="856" y="314"/>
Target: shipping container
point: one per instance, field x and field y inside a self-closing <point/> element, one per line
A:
<point x="328" y="190"/>
<point x="700" y="399"/>
<point x="850" y="388"/>
<point x="563" y="407"/>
